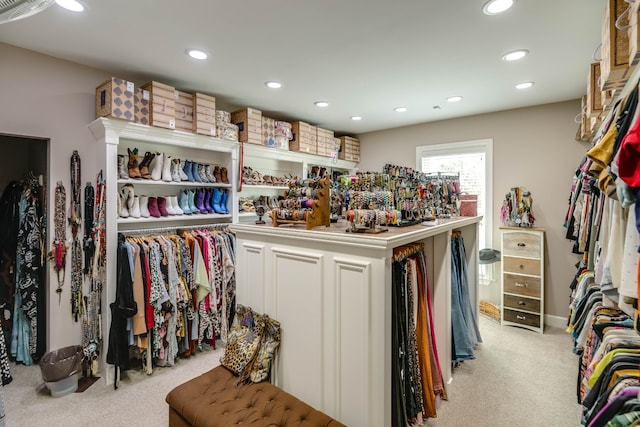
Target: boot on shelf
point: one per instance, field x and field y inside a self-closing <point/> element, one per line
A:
<point x="183" y="202"/>
<point x="123" y="212"/>
<point x="122" y="167"/>
<point x="166" y="168"/>
<point x="194" y="172"/>
<point x="223" y="175"/>
<point x="209" y="173"/>
<point x="173" y="201"/>
<point x="127" y="196"/>
<point x="175" y="170"/>
<point x="201" y="174"/>
<point x="153" y="207"/>
<point x="133" y="167"/>
<point x="199" y="201"/>
<point x="156" y="169"/>
<point x="192" y="197"/>
<point x="223" y="202"/>
<point x="183" y="176"/>
<point x="162" y="206"/>
<point x="144" y="165"/>
<point x="208" y="196"/>
<point x="134" y="212"/>
<point x="217" y="198"/>
<point x="144" y="207"/>
<point x="216" y="174"/>
<point x="168" y="206"/>
<point x="188" y="170"/>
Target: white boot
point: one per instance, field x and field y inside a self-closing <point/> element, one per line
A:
<point x="144" y="209"/>
<point x="122" y="167"/>
<point x="156" y="171"/>
<point x="134" y="212"/>
<point x="166" y="168"/>
<point x="169" y="206"/>
<point x="123" y="212"/>
<point x="174" y="204"/>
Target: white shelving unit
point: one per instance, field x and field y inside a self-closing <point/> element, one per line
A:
<point x="113" y="137"/>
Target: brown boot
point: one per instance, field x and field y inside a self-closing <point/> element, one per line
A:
<point x="132" y="166"/>
<point x="223" y="175"/>
<point x="144" y="165"/>
<point x="217" y="174"/>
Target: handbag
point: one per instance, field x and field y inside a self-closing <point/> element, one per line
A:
<point x="251" y="345"/>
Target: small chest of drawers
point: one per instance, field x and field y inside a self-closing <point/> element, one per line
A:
<point x="523" y="278"/>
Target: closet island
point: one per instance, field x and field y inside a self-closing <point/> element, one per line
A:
<point x="331" y="291"/>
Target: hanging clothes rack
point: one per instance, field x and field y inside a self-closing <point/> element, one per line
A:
<point x="174" y="230"/>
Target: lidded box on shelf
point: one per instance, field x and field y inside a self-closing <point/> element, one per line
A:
<point x="594" y="94"/>
<point x="184" y="111"/>
<point x="114" y="98"/>
<point x="141" y="106"/>
<point x="349" y="149"/>
<point x="614" y="66"/>
<point x="162" y="104"/>
<point x="204" y="114"/>
<point x="249" y="122"/>
<point x="634" y="34"/>
<point x="325" y="142"/>
<point x="304" y="138"/>
<point x="268" y="132"/>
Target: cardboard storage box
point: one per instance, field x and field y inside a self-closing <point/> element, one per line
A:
<point x="249" y="122"/>
<point x="162" y="105"/>
<point x="349" y="149"/>
<point x="594" y="94"/>
<point x="204" y="114"/>
<point x="184" y="111"/>
<point x="325" y="142"/>
<point x="141" y="106"/>
<point x="634" y="34"/>
<point x="268" y="132"/>
<point x="614" y="65"/>
<point x="114" y="98"/>
<point x="304" y="138"/>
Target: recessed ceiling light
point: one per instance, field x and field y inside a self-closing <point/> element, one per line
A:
<point x="197" y="54"/>
<point x="400" y="109"/>
<point x="356" y="118"/>
<point x="524" y="85"/>
<point x="514" y="55"/>
<point x="494" y="7"/>
<point x="321" y="104"/>
<point x="273" y="85"/>
<point x="71" y="5"/>
<point x="454" y="98"/>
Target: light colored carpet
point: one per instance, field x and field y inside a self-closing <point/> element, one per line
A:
<point x="519" y="378"/>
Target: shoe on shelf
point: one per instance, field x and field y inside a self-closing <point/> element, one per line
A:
<point x="162" y="206"/>
<point x="153" y="207"/>
<point x="173" y="201"/>
<point x="175" y="168"/>
<point x="166" y="168"/>
<point x="168" y="206"/>
<point x="209" y="173"/>
<point x="123" y="212"/>
<point x="133" y="167"/>
<point x="183" y="202"/>
<point x="192" y="197"/>
<point x="134" y="212"/>
<point x="201" y="174"/>
<point x="217" y="174"/>
<point x="183" y="176"/>
<point x="156" y="169"/>
<point x="199" y="201"/>
<point x="122" y="167"/>
<point x="144" y="207"/>
<point x="223" y="175"/>
<point x="145" y="163"/>
<point x="188" y="170"/>
<point x="223" y="202"/>
<point x="208" y="195"/>
<point x="194" y="172"/>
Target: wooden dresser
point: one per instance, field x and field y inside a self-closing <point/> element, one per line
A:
<point x="523" y="277"/>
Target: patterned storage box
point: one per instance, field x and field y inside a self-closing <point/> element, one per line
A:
<point x="204" y="114"/>
<point x="268" y="132"/>
<point x="141" y="106"/>
<point x="114" y="98"/>
<point x="162" y="105"/>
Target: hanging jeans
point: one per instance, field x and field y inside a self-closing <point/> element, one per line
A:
<point x="465" y="330"/>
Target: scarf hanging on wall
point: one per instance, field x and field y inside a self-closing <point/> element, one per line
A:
<point x="89" y="246"/>
<point x="59" y="252"/>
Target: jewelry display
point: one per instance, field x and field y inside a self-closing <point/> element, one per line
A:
<point x="305" y="202"/>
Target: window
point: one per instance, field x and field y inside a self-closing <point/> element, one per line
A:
<point x="473" y="160"/>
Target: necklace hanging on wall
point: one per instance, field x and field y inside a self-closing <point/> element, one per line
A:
<point x="89" y="246"/>
<point x="75" y="220"/>
<point x="59" y="251"/>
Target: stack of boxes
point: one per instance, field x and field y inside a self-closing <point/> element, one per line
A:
<point x="304" y="138"/>
<point x="162" y="105"/>
<point x="184" y="111"/>
<point x="350" y="149"/>
<point x="204" y="114"/>
<point x="249" y="122"/>
<point x="325" y="141"/>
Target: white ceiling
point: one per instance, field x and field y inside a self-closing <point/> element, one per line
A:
<point x="364" y="57"/>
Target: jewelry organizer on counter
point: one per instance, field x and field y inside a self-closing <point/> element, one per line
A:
<point x="305" y="202"/>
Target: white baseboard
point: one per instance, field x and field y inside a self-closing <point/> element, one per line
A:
<point x="556" y="321"/>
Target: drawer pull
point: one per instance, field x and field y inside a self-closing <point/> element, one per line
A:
<point x="522" y="245"/>
<point x="521" y="267"/>
<point x="521" y="317"/>
<point x="522" y="303"/>
<point x="521" y="285"/>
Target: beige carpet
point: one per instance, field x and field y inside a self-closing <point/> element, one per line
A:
<point x="519" y="378"/>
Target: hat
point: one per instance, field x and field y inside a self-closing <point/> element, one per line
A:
<point x="489" y="256"/>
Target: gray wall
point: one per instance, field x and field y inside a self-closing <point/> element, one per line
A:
<point x="534" y="148"/>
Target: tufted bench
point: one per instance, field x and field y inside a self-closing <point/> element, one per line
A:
<point x="214" y="400"/>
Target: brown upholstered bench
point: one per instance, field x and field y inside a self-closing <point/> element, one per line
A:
<point x="214" y="400"/>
